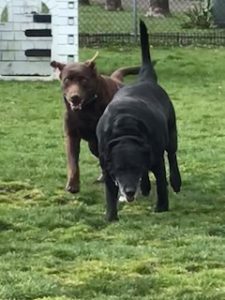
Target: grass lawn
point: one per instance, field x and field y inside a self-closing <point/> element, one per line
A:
<point x="54" y="245"/>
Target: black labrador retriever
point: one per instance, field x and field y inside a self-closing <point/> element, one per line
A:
<point x="135" y="130"/>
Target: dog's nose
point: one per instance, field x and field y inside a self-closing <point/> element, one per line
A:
<point x="75" y="99"/>
<point x="130" y="193"/>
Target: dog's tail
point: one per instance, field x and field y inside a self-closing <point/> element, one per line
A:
<point x="120" y="73"/>
<point x="147" y="69"/>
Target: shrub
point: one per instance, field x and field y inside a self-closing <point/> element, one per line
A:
<point x="200" y="15"/>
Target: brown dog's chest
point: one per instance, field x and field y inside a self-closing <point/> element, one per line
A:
<point x="84" y="122"/>
<point x="86" y="125"/>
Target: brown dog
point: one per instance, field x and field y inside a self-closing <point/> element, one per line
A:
<point x="86" y="95"/>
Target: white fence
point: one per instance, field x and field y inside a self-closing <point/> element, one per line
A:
<point x="28" y="43"/>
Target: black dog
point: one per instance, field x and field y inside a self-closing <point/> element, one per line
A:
<point x="137" y="127"/>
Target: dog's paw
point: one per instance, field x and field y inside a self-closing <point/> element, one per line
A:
<point x="112" y="218"/>
<point x="72" y="188"/>
<point x="163" y="208"/>
<point x="175" y="182"/>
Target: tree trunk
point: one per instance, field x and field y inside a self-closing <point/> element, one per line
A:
<point x="113" y="5"/>
<point x="158" y="8"/>
<point x="84" y="2"/>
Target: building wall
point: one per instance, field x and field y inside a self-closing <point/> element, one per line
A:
<point x="14" y="42"/>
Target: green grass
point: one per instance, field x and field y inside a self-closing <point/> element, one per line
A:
<point x="57" y="246"/>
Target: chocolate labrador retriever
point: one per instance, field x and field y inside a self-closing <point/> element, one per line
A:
<point x="135" y="130"/>
<point x="86" y="95"/>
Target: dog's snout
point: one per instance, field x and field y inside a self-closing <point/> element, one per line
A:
<point x="130" y="193"/>
<point x="75" y="99"/>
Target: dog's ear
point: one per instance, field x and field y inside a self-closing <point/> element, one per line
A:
<point x="57" y="65"/>
<point x="91" y="62"/>
<point x="105" y="156"/>
<point x="113" y="142"/>
<point x="58" y="68"/>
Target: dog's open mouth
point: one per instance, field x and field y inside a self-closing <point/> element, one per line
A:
<point x="130" y="199"/>
<point x="128" y="195"/>
<point x="76" y="105"/>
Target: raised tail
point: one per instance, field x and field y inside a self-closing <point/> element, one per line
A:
<point x="146" y="58"/>
<point x="147" y="69"/>
<point x="120" y="73"/>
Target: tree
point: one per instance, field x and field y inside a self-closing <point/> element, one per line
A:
<point x="113" y="5"/>
<point x="158" y="8"/>
<point x="84" y="2"/>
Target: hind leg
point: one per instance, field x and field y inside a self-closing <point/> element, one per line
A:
<point x="145" y="185"/>
<point x="175" y="178"/>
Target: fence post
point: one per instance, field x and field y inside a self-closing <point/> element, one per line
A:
<point x="135" y="33"/>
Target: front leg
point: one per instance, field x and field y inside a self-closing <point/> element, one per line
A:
<point x="161" y="184"/>
<point x="145" y="184"/>
<point x="73" y="151"/>
<point x="111" y="198"/>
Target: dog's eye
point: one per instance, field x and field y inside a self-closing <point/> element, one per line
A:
<point x="82" y="80"/>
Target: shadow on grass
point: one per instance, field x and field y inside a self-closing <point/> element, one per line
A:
<point x="108" y="283"/>
<point x="4" y="226"/>
<point x="14" y="192"/>
<point x="13" y="186"/>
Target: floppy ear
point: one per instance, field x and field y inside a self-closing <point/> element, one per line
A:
<point x="104" y="154"/>
<point x="57" y="65"/>
<point x="113" y="142"/>
<point x="91" y="62"/>
<point x="110" y="145"/>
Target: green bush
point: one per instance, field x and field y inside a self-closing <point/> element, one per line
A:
<point x="200" y="15"/>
